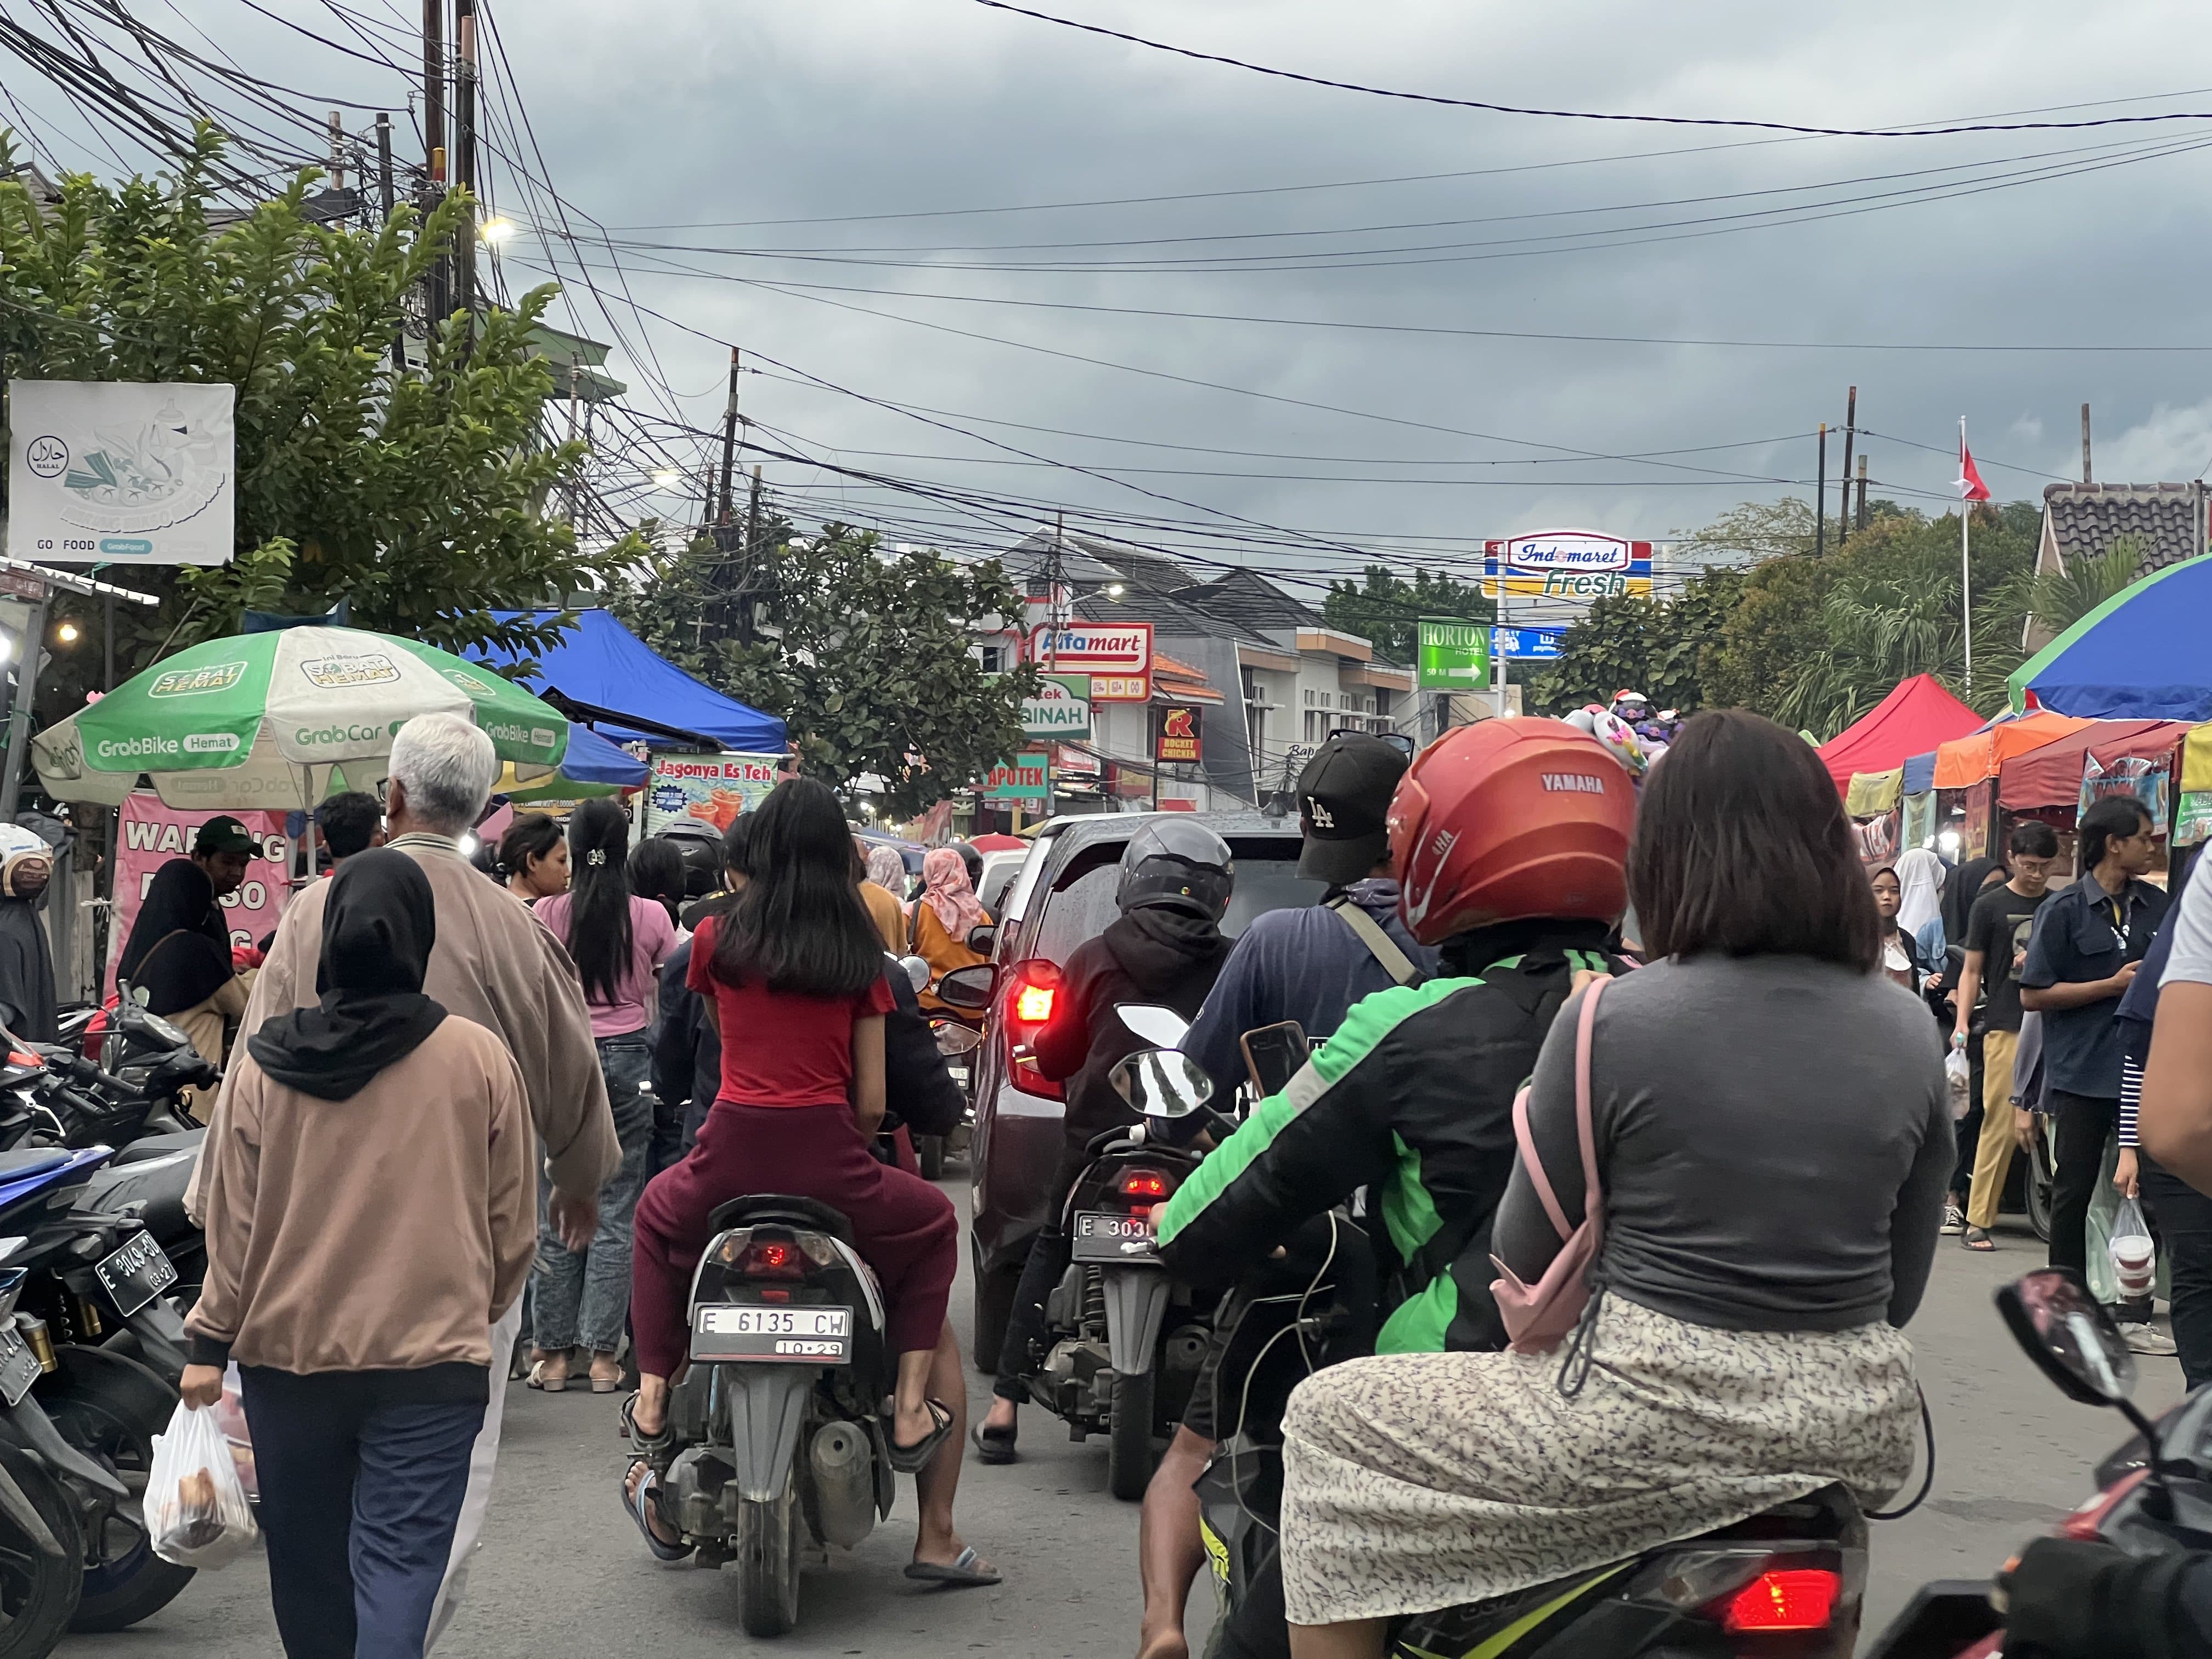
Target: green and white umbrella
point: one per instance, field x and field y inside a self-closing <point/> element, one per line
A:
<point x="262" y="721"/>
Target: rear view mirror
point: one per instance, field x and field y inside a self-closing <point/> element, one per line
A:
<point x="2070" y="1338"/>
<point x="969" y="988"/>
<point x="981" y="937"/>
<point x="954" y="1038"/>
<point x="1161" y="1083"/>
<point x="916" y="971"/>
<point x="1162" y="1028"/>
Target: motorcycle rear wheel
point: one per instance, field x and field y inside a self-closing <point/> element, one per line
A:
<point x="38" y="1593"/>
<point x="2035" y="1188"/>
<point x="767" y="1548"/>
<point x="1129" y="1435"/>
<point x="110" y="1408"/>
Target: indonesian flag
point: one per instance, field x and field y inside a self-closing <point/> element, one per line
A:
<point x="1971" y="487"/>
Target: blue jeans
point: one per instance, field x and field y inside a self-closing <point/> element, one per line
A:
<point x="580" y="1298"/>
<point x="359" y="1499"/>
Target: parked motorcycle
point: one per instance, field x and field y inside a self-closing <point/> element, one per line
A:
<point x="2153" y="1495"/>
<point x="958" y="1036"/>
<point x="780" y="1418"/>
<point x="1123" y="1340"/>
<point x="90" y="1348"/>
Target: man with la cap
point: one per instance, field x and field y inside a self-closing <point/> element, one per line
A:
<point x="1309" y="965"/>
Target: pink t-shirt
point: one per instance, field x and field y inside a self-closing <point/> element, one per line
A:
<point x="652" y="941"/>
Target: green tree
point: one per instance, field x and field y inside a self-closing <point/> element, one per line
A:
<point x="2056" y="600"/>
<point x="416" y="497"/>
<point x="1640" y="644"/>
<point x="865" y="657"/>
<point x="1749" y="534"/>
<point x="1387" y="610"/>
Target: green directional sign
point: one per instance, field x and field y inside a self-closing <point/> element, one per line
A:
<point x="1455" y="656"/>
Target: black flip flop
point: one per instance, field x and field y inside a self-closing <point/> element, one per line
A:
<point x="963" y="1572"/>
<point x="994" y="1445"/>
<point x="661" y="1548"/>
<point x="913" y="1459"/>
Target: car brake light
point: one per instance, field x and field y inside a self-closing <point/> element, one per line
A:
<point x="1033" y="1004"/>
<point x="1795" y="1598"/>
<point x="1144" y="1183"/>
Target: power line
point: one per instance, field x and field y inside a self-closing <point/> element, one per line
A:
<point x="1589" y="115"/>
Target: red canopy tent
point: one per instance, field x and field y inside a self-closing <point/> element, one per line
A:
<point x="2051" y="775"/>
<point x="1913" y="720"/>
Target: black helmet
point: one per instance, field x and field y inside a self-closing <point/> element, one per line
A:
<point x="1172" y="861"/>
<point x="973" y="860"/>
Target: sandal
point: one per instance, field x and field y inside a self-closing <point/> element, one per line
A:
<point x="635" y="1499"/>
<point x="652" y="1447"/>
<point x="537" y="1379"/>
<point x="606" y="1384"/>
<point x="994" y="1445"/>
<point x="1978" y="1239"/>
<point x="913" y="1459"/>
<point x="965" y="1572"/>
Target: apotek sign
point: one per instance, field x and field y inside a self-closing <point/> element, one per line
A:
<point x="1022" y="778"/>
<point x="1118" y="657"/>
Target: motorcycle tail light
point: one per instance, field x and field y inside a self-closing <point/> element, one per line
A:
<point x="1146" y="1184"/>
<point x="1784" y="1599"/>
<point x="773" y="1253"/>
<point x="772" y="1258"/>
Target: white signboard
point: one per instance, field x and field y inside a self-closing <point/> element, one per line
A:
<point x="104" y="473"/>
<point x="1118" y="657"/>
<point x="1060" y="707"/>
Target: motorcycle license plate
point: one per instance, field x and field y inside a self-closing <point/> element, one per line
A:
<point x="135" y="1273"/>
<point x="1102" y="1236"/>
<point x="804" y="1336"/>
<point x="18" y="1366"/>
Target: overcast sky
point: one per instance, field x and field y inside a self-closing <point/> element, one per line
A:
<point x="687" y="123"/>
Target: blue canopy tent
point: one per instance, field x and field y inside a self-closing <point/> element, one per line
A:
<point x="2145" y="654"/>
<point x="606" y="675"/>
<point x="592" y="759"/>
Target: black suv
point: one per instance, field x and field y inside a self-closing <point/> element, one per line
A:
<point x="1064" y="896"/>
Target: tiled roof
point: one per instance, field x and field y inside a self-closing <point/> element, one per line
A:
<point x="1247" y="597"/>
<point x="2082" y="520"/>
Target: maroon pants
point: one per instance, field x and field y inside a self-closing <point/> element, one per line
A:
<point x="904" y="1228"/>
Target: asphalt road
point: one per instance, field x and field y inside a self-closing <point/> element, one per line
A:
<point x="561" y="1571"/>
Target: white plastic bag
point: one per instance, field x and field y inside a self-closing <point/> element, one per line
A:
<point x="1959" y="1072"/>
<point x="2135" y="1255"/>
<point x="230" y="1417"/>
<point x="196" y="1508"/>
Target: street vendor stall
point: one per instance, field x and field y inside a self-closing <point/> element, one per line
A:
<point x="2144" y="655"/>
<point x="1917" y="715"/>
<point x="2051" y="775"/>
<point x="604" y="674"/>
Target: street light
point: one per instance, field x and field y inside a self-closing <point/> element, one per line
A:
<point x="496" y="231"/>
<point x="67" y="632"/>
<point x="1113" y="590"/>
<point x="668" y="478"/>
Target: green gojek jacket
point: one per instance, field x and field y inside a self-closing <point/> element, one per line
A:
<point x="1412" y="1099"/>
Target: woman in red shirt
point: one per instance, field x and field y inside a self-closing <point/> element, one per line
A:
<point x="792" y="976"/>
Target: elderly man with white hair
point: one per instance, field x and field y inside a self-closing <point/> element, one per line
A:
<point x="494" y="962"/>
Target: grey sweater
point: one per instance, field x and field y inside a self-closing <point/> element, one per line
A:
<point x="1773" y="1139"/>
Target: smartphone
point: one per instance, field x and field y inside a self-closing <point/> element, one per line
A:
<point x="1273" y="1054"/>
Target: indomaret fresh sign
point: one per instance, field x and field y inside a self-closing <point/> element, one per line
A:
<point x="1566" y="564"/>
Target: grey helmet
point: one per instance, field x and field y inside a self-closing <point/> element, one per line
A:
<point x="1177" y="864"/>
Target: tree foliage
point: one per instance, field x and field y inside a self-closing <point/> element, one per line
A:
<point x="1386" y="610"/>
<point x="865" y="655"/>
<point x="1750" y="533"/>
<point x="1629" y="643"/>
<point x="415" y="497"/>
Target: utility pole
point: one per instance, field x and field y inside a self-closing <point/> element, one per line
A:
<point x="575" y="391"/>
<point x="1820" y="500"/>
<point x="729" y="445"/>
<point x="1052" y="579"/>
<point x="2087" y="477"/>
<point x="438" y="296"/>
<point x="464" y="149"/>
<point x="1862" y="483"/>
<point x="337" y="150"/>
<point x="1844" y="479"/>
<point x="388" y="201"/>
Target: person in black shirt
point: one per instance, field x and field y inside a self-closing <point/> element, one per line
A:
<point x="2081" y="959"/>
<point x="1997" y="929"/>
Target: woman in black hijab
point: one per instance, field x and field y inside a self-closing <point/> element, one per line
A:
<point x="26" y="965"/>
<point x="178" y="951"/>
<point x="378" y="929"/>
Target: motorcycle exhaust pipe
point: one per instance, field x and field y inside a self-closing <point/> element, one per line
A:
<point x="844" y="1483"/>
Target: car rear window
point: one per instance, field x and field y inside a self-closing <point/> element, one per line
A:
<point x="1081" y="901"/>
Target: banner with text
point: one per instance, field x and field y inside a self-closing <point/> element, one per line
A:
<point x="1177" y="732"/>
<point x="1022" y="779"/>
<point x="1060" y="708"/>
<point x="154" y="834"/>
<point x="1567" y="568"/>
<point x="1118" y="657"/>
<point x="120" y="473"/>
<point x="711" y="789"/>
<point x="1455" y="656"/>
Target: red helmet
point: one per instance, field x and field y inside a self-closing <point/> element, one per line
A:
<point x="1508" y="818"/>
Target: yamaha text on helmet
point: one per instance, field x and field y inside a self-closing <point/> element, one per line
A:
<point x="1510" y="819"/>
<point x="1176" y="863"/>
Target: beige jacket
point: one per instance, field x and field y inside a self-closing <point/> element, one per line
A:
<point x="495" y="964"/>
<point x="387" y="1232"/>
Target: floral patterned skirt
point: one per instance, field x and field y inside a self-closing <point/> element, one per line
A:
<point x="1415" y="1482"/>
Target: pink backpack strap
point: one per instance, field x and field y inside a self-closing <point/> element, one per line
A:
<point x="1584" y="1129"/>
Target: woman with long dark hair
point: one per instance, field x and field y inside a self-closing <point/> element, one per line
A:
<point x="793" y="979"/>
<point x="657" y="873"/>
<point x="533" y="857"/>
<point x="581" y="1297"/>
<point x="1772" y="1141"/>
